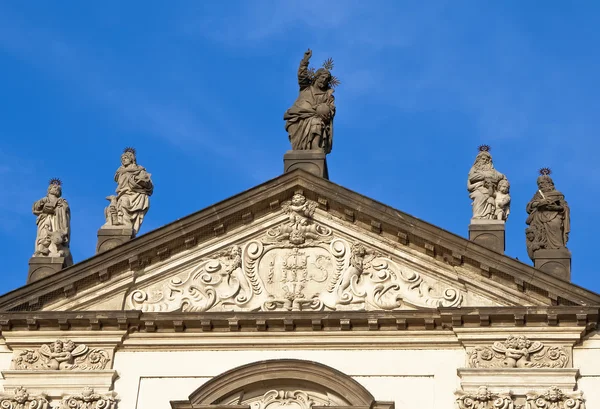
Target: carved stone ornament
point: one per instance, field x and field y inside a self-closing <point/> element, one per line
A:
<point x="518" y="352"/>
<point x="21" y="399"/>
<point x="292" y="399"/>
<point x="88" y="399"/>
<point x="298" y="265"/>
<point x="554" y="398"/>
<point x="61" y="355"/>
<point x="484" y="399"/>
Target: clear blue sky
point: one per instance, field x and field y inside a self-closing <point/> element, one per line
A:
<point x="200" y="87"/>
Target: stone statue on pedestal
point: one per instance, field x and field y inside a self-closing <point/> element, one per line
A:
<point x="309" y="122"/>
<point x="549" y="217"/>
<point x="131" y="203"/>
<point x="53" y="224"/>
<point x="488" y="188"/>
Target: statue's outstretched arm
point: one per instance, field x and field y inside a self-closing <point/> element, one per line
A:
<point x="303" y="75"/>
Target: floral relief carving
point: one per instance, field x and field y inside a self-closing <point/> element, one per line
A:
<point x="21" y="399"/>
<point x="518" y="352"/>
<point x="554" y="398"/>
<point x="88" y="399"/>
<point x="484" y="399"/>
<point x="61" y="355"/>
<point x="297" y="265"/>
<point x="292" y="399"/>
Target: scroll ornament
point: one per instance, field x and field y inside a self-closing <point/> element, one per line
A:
<point x="88" y="399"/>
<point x="554" y="398"/>
<point x="484" y="399"/>
<point x="518" y="352"/>
<point x="298" y="265"/>
<point x="61" y="355"/>
<point x="21" y="399"/>
<point x="296" y="399"/>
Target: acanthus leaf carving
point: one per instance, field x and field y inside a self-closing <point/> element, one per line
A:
<point x="298" y="265"/>
<point x="21" y="399"/>
<point x="61" y="355"/>
<point x="484" y="399"/>
<point x="554" y="398"/>
<point x="518" y="352"/>
<point x="88" y="399"/>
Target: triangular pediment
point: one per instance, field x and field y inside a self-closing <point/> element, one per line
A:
<point x="297" y="242"/>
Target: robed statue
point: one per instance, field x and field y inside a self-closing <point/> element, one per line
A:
<point x="309" y="122"/>
<point x="53" y="224"/>
<point x="131" y="203"/>
<point x="549" y="217"/>
<point x="488" y="188"/>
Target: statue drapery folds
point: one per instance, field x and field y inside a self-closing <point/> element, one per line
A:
<point x="488" y="188"/>
<point x="53" y="224"/>
<point x="549" y="217"/>
<point x="134" y="187"/>
<point x="309" y="122"/>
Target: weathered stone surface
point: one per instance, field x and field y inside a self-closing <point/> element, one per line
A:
<point x="53" y="225"/>
<point x="40" y="267"/>
<point x="89" y="399"/>
<point x="488" y="233"/>
<point x="314" y="162"/>
<point x="488" y="188"/>
<point x="549" y="217"/>
<point x="134" y="187"/>
<point x="309" y="122"/>
<point x="22" y="399"/>
<point x="298" y="265"/>
<point x="555" y="398"/>
<point x="109" y="238"/>
<point x="556" y="262"/>
<point x="484" y="399"/>
<point x="61" y="355"/>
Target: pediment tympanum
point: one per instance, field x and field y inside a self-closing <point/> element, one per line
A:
<point x="300" y="263"/>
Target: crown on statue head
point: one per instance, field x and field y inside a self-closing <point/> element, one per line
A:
<point x="55" y="181"/>
<point x="328" y="65"/>
<point x="484" y="148"/>
<point x="130" y="150"/>
<point x="545" y="171"/>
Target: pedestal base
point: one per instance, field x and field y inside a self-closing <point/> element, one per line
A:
<point x="40" y="267"/>
<point x="555" y="262"/>
<point x="110" y="238"/>
<point x="314" y="162"/>
<point x="488" y="233"/>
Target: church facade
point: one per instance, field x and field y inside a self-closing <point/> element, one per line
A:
<point x="300" y="293"/>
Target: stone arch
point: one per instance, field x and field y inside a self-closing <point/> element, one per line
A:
<point x="293" y="375"/>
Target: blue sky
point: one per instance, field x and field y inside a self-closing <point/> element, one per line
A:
<point x="200" y="87"/>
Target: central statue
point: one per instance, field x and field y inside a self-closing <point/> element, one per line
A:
<point x="309" y="122"/>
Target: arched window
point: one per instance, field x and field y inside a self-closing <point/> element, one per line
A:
<point x="295" y="384"/>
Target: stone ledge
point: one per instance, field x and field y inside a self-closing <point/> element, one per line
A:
<point x="519" y="381"/>
<point x="56" y="384"/>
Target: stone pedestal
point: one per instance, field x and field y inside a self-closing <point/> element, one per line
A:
<point x="40" y="267"/>
<point x="314" y="162"/>
<point x="488" y="233"/>
<point x="555" y="262"/>
<point x="112" y="237"/>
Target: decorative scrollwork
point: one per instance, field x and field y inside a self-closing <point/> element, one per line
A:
<point x="21" y="399"/>
<point x="554" y="398"/>
<point x="518" y="352"/>
<point x="484" y="399"/>
<point x="88" y="399"/>
<point x="61" y="355"/>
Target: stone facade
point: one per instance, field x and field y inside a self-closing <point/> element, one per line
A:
<point x="300" y="293"/>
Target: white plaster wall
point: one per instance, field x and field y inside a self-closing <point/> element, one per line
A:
<point x="586" y="357"/>
<point x="412" y="378"/>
